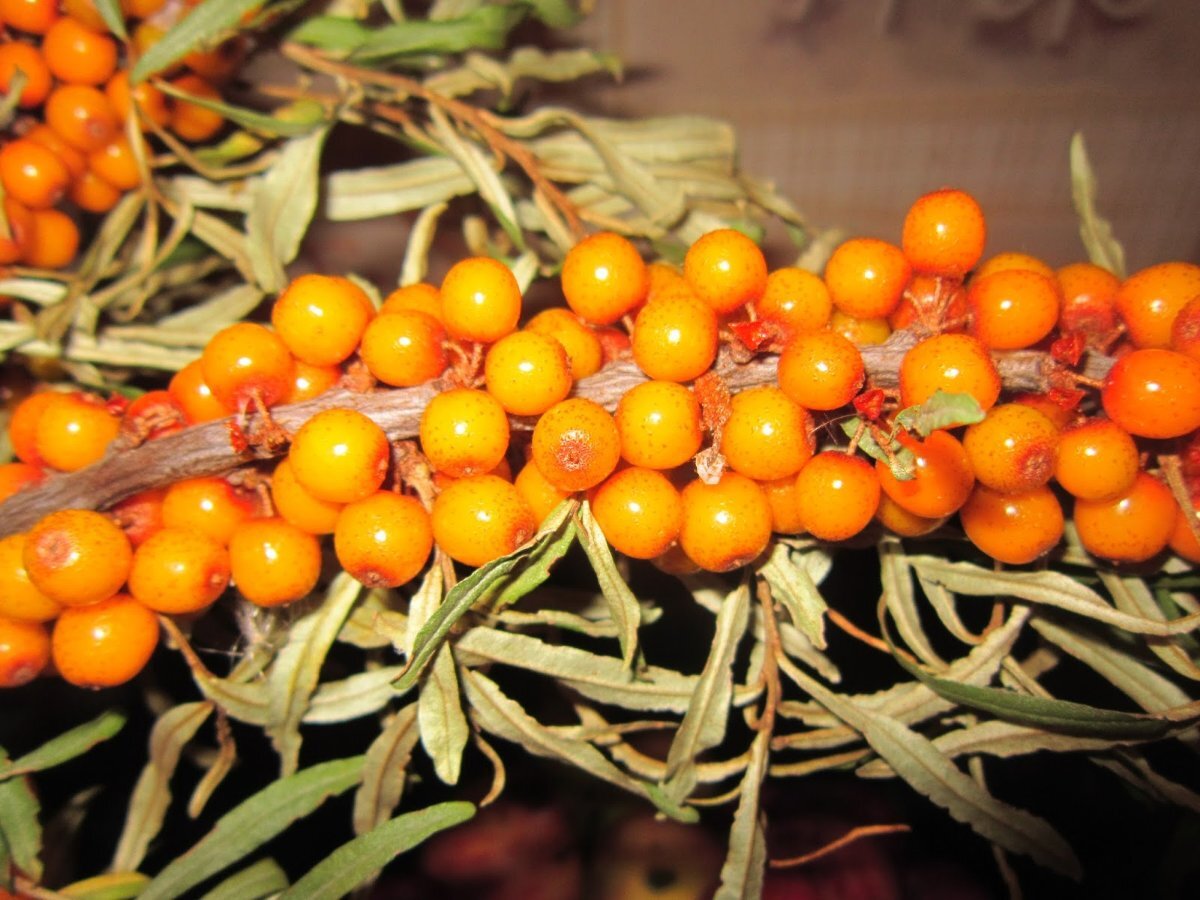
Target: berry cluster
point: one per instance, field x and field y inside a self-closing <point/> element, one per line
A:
<point x="678" y="469"/>
<point x="72" y="142"/>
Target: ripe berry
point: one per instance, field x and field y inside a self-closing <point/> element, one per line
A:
<point x="866" y="277"/>
<point x="942" y="477"/>
<point x="796" y="299"/>
<point x="675" y="337"/>
<point x="955" y="363"/>
<point x="1013" y="308"/>
<point x="76" y="54"/>
<point x="320" y="318"/>
<point x="15" y="55"/>
<point x="767" y="435"/>
<point x="1183" y="540"/>
<point x="1185" y="330"/>
<point x="19" y="597"/>
<point x="1096" y="460"/>
<point x="208" y="504"/>
<point x="404" y="348"/>
<point x="74" y="431"/>
<point x="194" y="396"/>
<point x="105" y="644"/>
<point x="539" y="495"/>
<point x="931" y="303"/>
<point x="725" y="269"/>
<point x="464" y="432"/>
<point x="481" y="300"/>
<point x="944" y="233"/>
<point x="604" y="277"/>
<point x="1013" y="448"/>
<point x="16" y="475"/>
<point x="421" y="296"/>
<point x="273" y="562"/>
<point x="15" y="244"/>
<point x="785" y="506"/>
<point x="22" y="426"/>
<point x="725" y="525"/>
<point x="860" y="331"/>
<point x="246" y="361"/>
<point x="82" y="116"/>
<point x="24" y="651"/>
<point x="1003" y="262"/>
<point x="383" y="540"/>
<point x="116" y="162"/>
<point x="527" y="373"/>
<point x="294" y="504"/>
<point x="191" y="121"/>
<point x="1132" y="527"/>
<point x="639" y="511"/>
<point x="905" y="523"/>
<point x="576" y="444"/>
<point x="481" y="518"/>
<point x="52" y="241"/>
<point x="1013" y="528"/>
<point x="92" y="193"/>
<point x="32" y="174"/>
<point x="310" y="381"/>
<point x="584" y="352"/>
<point x="77" y="556"/>
<point x="140" y="515"/>
<point x="820" y="370"/>
<point x="339" y="456"/>
<point x="1059" y="409"/>
<point x="1088" y="293"/>
<point x="1154" y="393"/>
<point x="659" y="425"/>
<point x="1148" y="301"/>
<point x="837" y="495"/>
<point x="149" y="103"/>
<point x="178" y="570"/>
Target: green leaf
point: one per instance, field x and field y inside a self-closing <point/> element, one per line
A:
<point x="893" y="454"/>
<point x="20" y="830"/>
<point x="942" y="410"/>
<point x="440" y="716"/>
<point x="485" y="28"/>
<point x="374" y="192"/>
<point x="556" y="13"/>
<point x="622" y="604"/>
<point x="1102" y="247"/>
<point x="360" y="858"/>
<point x="746" y="859"/>
<point x="109" y="886"/>
<point x="114" y="18"/>
<point x="202" y="24"/>
<point x="337" y="33"/>
<point x="793" y="586"/>
<point x="385" y="770"/>
<point x="66" y="746"/>
<point x="252" y="823"/>
<point x="542" y="560"/>
<point x="901" y="601"/>
<point x="264" y="878"/>
<point x="1133" y="596"/>
<point x="353" y="697"/>
<point x="297" y="119"/>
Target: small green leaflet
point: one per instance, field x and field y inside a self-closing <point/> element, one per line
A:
<point x="892" y="453"/>
<point x="942" y="410"/>
<point x="66" y="746"/>
<point x="485" y="28"/>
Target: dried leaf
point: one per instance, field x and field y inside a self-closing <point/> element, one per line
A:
<point x="1131" y="595"/>
<point x="1096" y="232"/>
<point x="264" y="878"/>
<point x="746" y="858"/>
<point x="67" y="746"/>
<point x="420" y="240"/>
<point x="375" y="192"/>
<point x="793" y="587"/>
<point x="623" y="606"/>
<point x="109" y="886"/>
<point x="385" y="770"/>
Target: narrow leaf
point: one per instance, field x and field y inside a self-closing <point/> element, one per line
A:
<point x="358" y="695"/>
<point x="20" y="830"/>
<point x="1131" y="595"/>
<point x="385" y="770"/>
<point x="901" y="461"/>
<point x="746" y="858"/>
<point x="264" y="878"/>
<point x="541" y="561"/>
<point x="622" y="604"/>
<point x="203" y="23"/>
<point x="485" y="28"/>
<point x="294" y="120"/>
<point x="114" y="18"/>
<point x="793" y="587"/>
<point x="374" y="192"/>
<point x="1102" y="247"/>
<point x="443" y="725"/>
<point x="942" y="410"/>
<point x="66" y="746"/>
<point x="901" y="601"/>
<point x="109" y="886"/>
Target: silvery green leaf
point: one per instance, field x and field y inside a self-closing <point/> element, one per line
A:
<point x="792" y="586"/>
<point x="264" y="878"/>
<point x="901" y="600"/>
<point x="1102" y="247"/>
<point x="20" y="828"/>
<point x="1131" y="595"/>
<point x="385" y="770"/>
<point x="623" y="606"/>
<point x="440" y="717"/>
<point x="35" y="290"/>
<point x="746" y="859"/>
<point x="203" y="193"/>
<point x="357" y="695"/>
<point x="201" y="24"/>
<point x="295" y="120"/>
<point x="943" y="604"/>
<point x="375" y="192"/>
<point x="420" y="241"/>
<point x="942" y="410"/>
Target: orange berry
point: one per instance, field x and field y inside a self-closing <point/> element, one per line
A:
<point x="116" y="163"/>
<point x="16" y="56"/>
<point x="140" y="515"/>
<point x="639" y="511"/>
<point x="178" y="570"/>
<point x="1154" y="393"/>
<point x="767" y="435"/>
<point x="481" y="300"/>
<point x="218" y="62"/>
<point x="141" y="9"/>
<point x="539" y="495"/>
<point x="273" y="562"/>
<point x="1185" y="330"/>
<point x="576" y="444"/>
<point x="16" y="475"/>
<point x="77" y="556"/>
<point x="1183" y="540"/>
<point x="1010" y="260"/>
<point x="837" y="495"/>
<point x="82" y="116"/>
<point x="22" y="426"/>
<point x="944" y="233"/>
<point x="294" y="503"/>
<point x="105" y="644"/>
<point x="725" y="269"/>
<point x="659" y="425"/>
<point x="664" y="277"/>
<point x="404" y="348"/>
<point x="207" y="504"/>
<point x="92" y="193"/>
<point x="383" y="540"/>
<point x="725" y="525"/>
<point x="1062" y="414"/>
<point x="32" y="16"/>
<point x="527" y="373"/>
<point x="16" y="239"/>
<point x="74" y="431"/>
<point x="421" y="296"/>
<point x="481" y="518"/>
<point x="320" y="318"/>
<point x="1148" y="301"/>
<point x="339" y="456"/>
<point x="1131" y="527"/>
<point x="310" y="381"/>
<point x="1013" y="528"/>
<point x="1013" y="448"/>
<point x="796" y="299"/>
<point x="32" y="174"/>
<point x="1096" y="460"/>
<point x="191" y="121"/>
<point x="244" y="362"/>
<point x="53" y="240"/>
<point x="1012" y="309"/>
<point x="151" y="104"/>
<point x="933" y="303"/>
<point x="464" y="432"/>
<point x="859" y="331"/>
<point x="903" y="522"/>
<point x="820" y="370"/>
<point x="19" y="597"/>
<point x="24" y="651"/>
<point x="584" y="352"/>
<point x="78" y="55"/>
<point x="942" y="477"/>
<point x="955" y="363"/>
<point x="866" y="277"/>
<point x="675" y="337"/>
<point x="194" y="396"/>
<point x="153" y="415"/>
<point x="1088" y="294"/>
<point x="84" y="12"/>
<point x="785" y="506"/>
<point x="604" y="277"/>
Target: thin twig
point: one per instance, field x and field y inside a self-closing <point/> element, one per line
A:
<point x="854" y="834"/>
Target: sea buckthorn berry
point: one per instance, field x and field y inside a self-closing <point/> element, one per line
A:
<point x="1185" y="330"/>
<point x="837" y="494"/>
<point x="16" y="475"/>
<point x="954" y="363"/>
<point x="1013" y="528"/>
<point x="273" y="562"/>
<point x="576" y="444"/>
<point x="464" y="432"/>
<point x="859" y="331"/>
<point x="615" y="344"/>
<point x="207" y="504"/>
<point x="320" y="318"/>
<point x="117" y="164"/>
<point x="189" y="120"/>
<point x="1148" y="301"/>
<point x="15" y="55"/>
<point x="942" y="477"/>
<point x="31" y="16"/>
<point x="244" y="362"/>
<point x="944" y="233"/>
<point x="194" y="396"/>
<point x="1003" y="262"/>
<point x="153" y="415"/>
<point x="19" y="597"/>
<point x="383" y="540"/>
<point x="78" y="55"/>
<point x="339" y="456"/>
<point x="604" y="277"/>
<point x="539" y="495"/>
<point x="866" y="277"/>
<point x="1154" y="393"/>
<point x="141" y="9"/>
<point x="15" y="241"/>
<point x="217" y="62"/>
<point x="1062" y="414"/>
<point x="93" y="194"/>
<point x="295" y="504"/>
<point x="527" y="372"/>
<point x="82" y="116"/>
<point x="1012" y="309"/>
<point x="309" y="381"/>
<point x="481" y="300"/>
<point x="584" y="352"/>
<point x="932" y="302"/>
<point x="905" y="523"/>
<point x="140" y="515"/>
<point x="481" y="518"/>
<point x="24" y="651"/>
<point x="1129" y="528"/>
<point x="767" y="435"/>
<point x="796" y="299"/>
<point x="639" y="511"/>
<point x="1013" y="448"/>
<point x="149" y="102"/>
<point x="820" y="370"/>
<point x="74" y="431"/>
<point x="725" y="525"/>
<point x="659" y="425"/>
<point x="1096" y="460"/>
<point x="84" y="12"/>
<point x="1088" y="294"/>
<point x="77" y="556"/>
<point x="1183" y="540"/>
<point x="725" y="269"/>
<point x="785" y="506"/>
<point x="53" y="240"/>
<point x="105" y="644"/>
<point x="32" y="174"/>
<point x="22" y="426"/>
<point x="178" y="570"/>
<point x="663" y="277"/>
<point x="421" y="296"/>
<point x="675" y="337"/>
